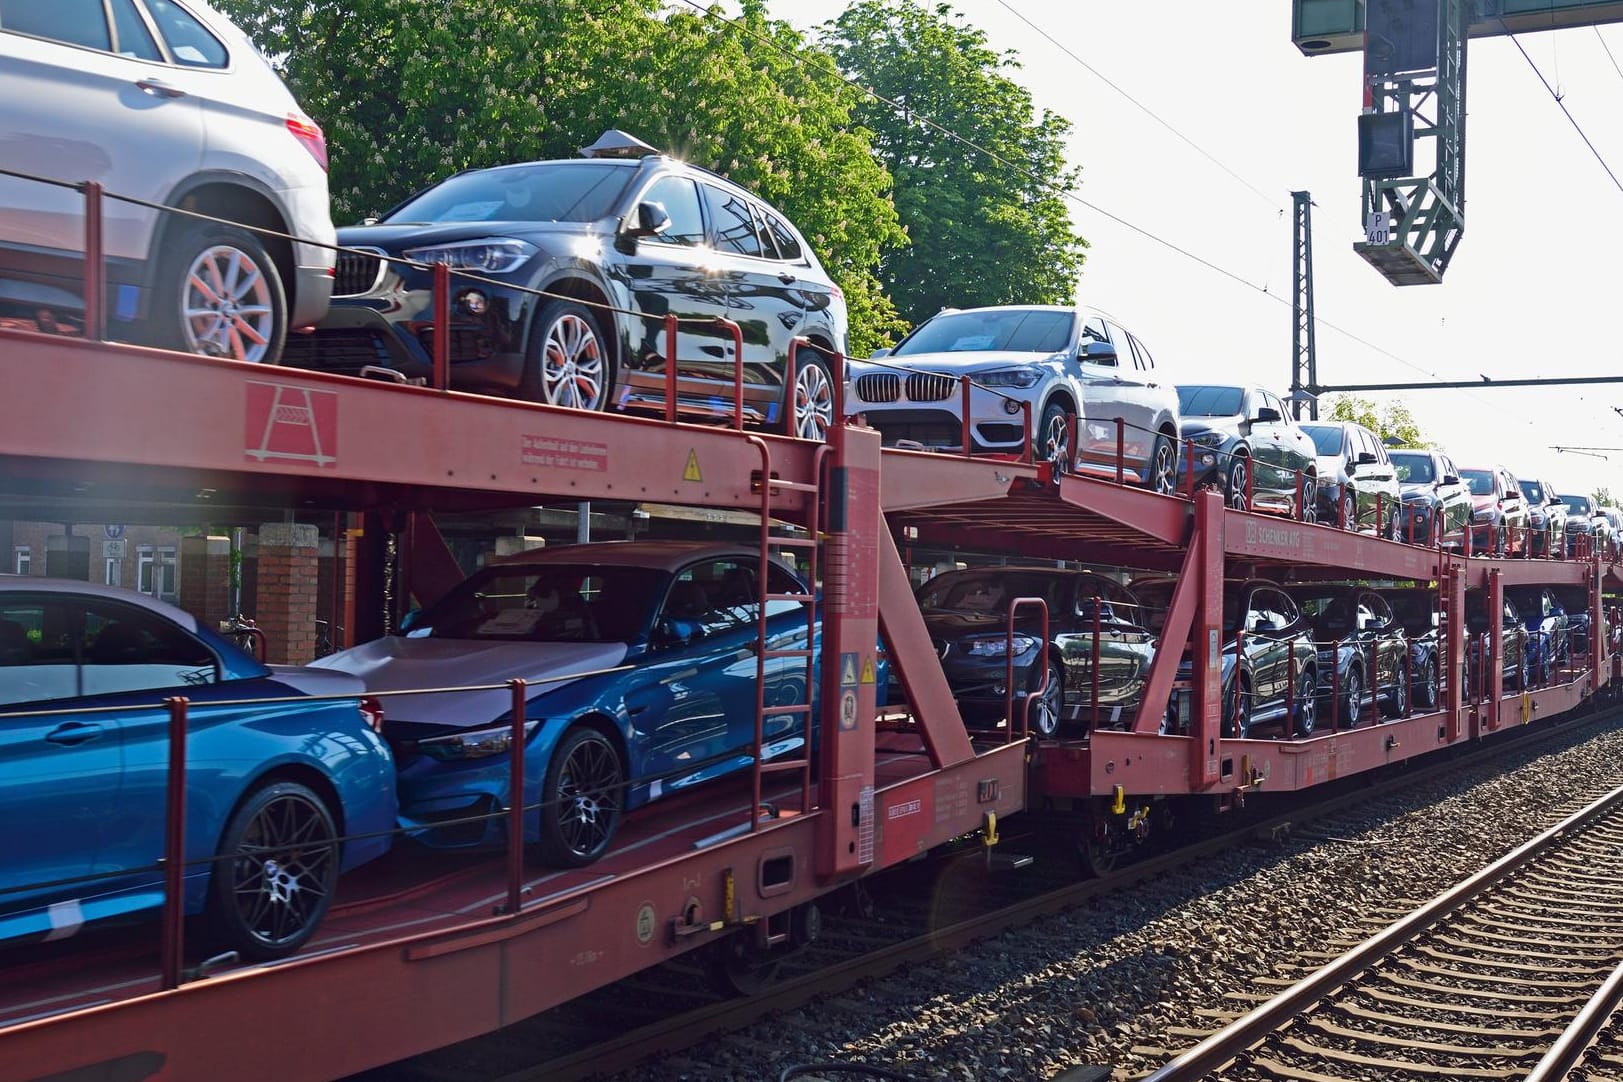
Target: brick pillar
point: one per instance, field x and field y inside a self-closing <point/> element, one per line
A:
<point x="285" y="605"/>
<point x="205" y="578"/>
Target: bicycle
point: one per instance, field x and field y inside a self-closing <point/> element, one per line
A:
<point x="242" y="633"/>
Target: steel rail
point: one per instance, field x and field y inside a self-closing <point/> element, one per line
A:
<point x="1580" y="1034"/>
<point x="1253" y="1027"/>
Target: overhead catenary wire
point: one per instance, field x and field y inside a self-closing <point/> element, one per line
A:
<point x="1579" y="128"/>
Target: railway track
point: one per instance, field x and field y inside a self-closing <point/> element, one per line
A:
<point x="1483" y="982"/>
<point x="930" y="909"/>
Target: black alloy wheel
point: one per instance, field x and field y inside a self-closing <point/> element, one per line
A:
<point x="276" y="870"/>
<point x="1307" y="703"/>
<point x="1043" y="715"/>
<point x="1352" y="698"/>
<point x="1426" y="687"/>
<point x="582" y="798"/>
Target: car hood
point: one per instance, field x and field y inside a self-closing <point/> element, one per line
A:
<point x="1194" y="426"/>
<point x="1330" y="466"/>
<point x="395" y="663"/>
<point x="396" y="237"/>
<point x="955" y="625"/>
<point x="969" y="363"/>
<point x="315" y="680"/>
<point x="1482" y="503"/>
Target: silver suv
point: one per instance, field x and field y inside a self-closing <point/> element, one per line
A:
<point x="1065" y="362"/>
<point x="163" y="101"/>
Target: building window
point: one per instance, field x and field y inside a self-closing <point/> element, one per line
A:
<point x="114" y="575"/>
<point x="24" y="560"/>
<point x="168" y="574"/>
<point x="144" y="560"/>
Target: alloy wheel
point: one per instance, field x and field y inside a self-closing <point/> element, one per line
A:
<point x="814" y="403"/>
<point x="282" y="868"/>
<point x="226" y="306"/>
<point x="572" y="368"/>
<point x="588" y="797"/>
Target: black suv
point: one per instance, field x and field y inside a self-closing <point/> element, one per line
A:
<point x="618" y="240"/>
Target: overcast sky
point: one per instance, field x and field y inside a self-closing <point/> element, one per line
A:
<point x="1533" y="289"/>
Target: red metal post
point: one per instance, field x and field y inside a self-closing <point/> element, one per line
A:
<point x="442" y="326"/>
<point x="1380" y="506"/>
<point x="1251" y="485"/>
<point x="172" y="935"/>
<point x="1496" y="640"/>
<point x="1408" y="680"/>
<point x="95" y="264"/>
<point x="791" y="393"/>
<point x="1030" y="450"/>
<point x="515" y="799"/>
<point x="1207" y="546"/>
<point x="1335" y="686"/>
<point x="1189" y="463"/>
<point x="839" y="388"/>
<point x="1121" y="450"/>
<point x="738" y="370"/>
<point x="1301" y="512"/>
<point x="670" y="367"/>
<point x="1239" y="655"/>
<point x="1042" y="662"/>
<point x="964" y="386"/>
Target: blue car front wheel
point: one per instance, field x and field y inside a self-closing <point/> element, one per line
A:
<point x="582" y="798"/>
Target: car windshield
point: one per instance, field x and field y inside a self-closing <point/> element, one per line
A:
<point x="546" y="603"/>
<point x="544" y="192"/>
<point x="1328" y="611"/>
<point x="1412" y="467"/>
<point x="1577" y="504"/>
<point x="1011" y="330"/>
<point x="990" y="591"/>
<point x="1414" y="611"/>
<point x="1210" y="401"/>
<point x="1154" y="598"/>
<point x="1532" y="490"/>
<point x="1327" y="438"/>
<point x="1480" y="481"/>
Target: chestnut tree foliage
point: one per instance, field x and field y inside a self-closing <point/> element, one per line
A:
<point x="409" y="91"/>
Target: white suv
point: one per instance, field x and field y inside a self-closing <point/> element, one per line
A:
<point x="163" y="101"/>
<point x="1064" y="362"/>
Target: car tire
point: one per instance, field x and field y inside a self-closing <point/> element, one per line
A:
<point x="569" y="358"/>
<point x="1309" y="511"/>
<point x="1390" y="532"/>
<point x="1306" y="720"/>
<point x="1053" y="439"/>
<point x="1352" y="699"/>
<point x="1043" y="716"/>
<point x="808" y="411"/>
<point x="1347" y="511"/>
<point x="276" y="871"/>
<point x="1235" y="485"/>
<point x="1237" y="722"/>
<point x="1426" y="688"/>
<point x="1501" y="542"/>
<point x="219" y="294"/>
<point x="582" y="797"/>
<point x="1163" y="468"/>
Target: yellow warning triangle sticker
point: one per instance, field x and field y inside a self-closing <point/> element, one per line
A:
<point x="867" y="670"/>
<point x="691" y="472"/>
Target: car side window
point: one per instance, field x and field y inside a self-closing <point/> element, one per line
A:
<point x="680" y="198"/>
<point x="130" y="649"/>
<point x="71" y="22"/>
<point x="1270" y="402"/>
<point x="133" y="38"/>
<point x="36" y="652"/>
<point x="769" y="247"/>
<point x="1141" y="355"/>
<point x="788" y="246"/>
<point x="189" y="41"/>
<point x="734" y="224"/>
<point x="1093" y="329"/>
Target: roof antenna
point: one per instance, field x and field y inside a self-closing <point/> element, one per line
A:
<point x="615" y="143"/>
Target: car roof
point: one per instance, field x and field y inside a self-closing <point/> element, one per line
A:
<point x="663" y="555"/>
<point x="17" y="584"/>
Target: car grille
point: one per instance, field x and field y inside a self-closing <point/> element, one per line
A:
<point x="357" y="273"/>
<point x="930" y="387"/>
<point x="345" y="352"/>
<point x="881" y="387"/>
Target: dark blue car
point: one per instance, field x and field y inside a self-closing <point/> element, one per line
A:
<point x="642" y="659"/>
<point x="270" y="785"/>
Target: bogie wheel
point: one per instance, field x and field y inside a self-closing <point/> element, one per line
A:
<point x="581" y="798"/>
<point x="1096" y="850"/>
<point x="810" y="411"/>
<point x="1239" y="472"/>
<point x="1163" y="470"/>
<point x="1352" y="698"/>
<point x="570" y="360"/>
<point x="1426" y="688"/>
<point x="736" y="968"/>
<point x="1043" y="715"/>
<point x="274" y="879"/>
<point x="1307" y="703"/>
<point x="219" y="294"/>
<point x="1054" y="435"/>
<point x="1237" y="715"/>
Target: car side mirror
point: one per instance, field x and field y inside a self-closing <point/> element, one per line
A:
<point x="1450" y="479"/>
<point x="1261" y="624"/>
<point x="1365" y="458"/>
<point x="411" y="620"/>
<point x="1099" y="353"/>
<point x="1268" y="413"/>
<point x="669" y="631"/>
<point x="651" y="220"/>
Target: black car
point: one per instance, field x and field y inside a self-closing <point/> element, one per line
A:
<point x="1575" y="601"/>
<point x="1358" y="489"/>
<point x="1546" y="518"/>
<point x="1090" y="618"/>
<point x="1436" y="503"/>
<point x="1269" y="666"/>
<point x="1547" y="622"/>
<point x="617" y="243"/>
<point x="1243" y="442"/>
<point x="1362" y="651"/>
<point x="1416" y="612"/>
<point x="1581" y="531"/>
<point x="1516" y="645"/>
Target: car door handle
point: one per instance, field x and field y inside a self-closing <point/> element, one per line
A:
<point x="785" y="277"/>
<point x="160" y="89"/>
<point x="74" y="732"/>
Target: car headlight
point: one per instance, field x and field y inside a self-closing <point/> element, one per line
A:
<point x="1208" y="439"/>
<point x="1537" y="518"/>
<point x="488" y="255"/>
<point x="473" y="744"/>
<point x="998" y="646"/>
<point x="1487" y="514"/>
<point x="1009" y="377"/>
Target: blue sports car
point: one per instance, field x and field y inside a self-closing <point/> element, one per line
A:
<point x="642" y="663"/>
<point x="270" y="785"/>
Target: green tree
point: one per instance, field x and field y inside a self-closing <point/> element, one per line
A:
<point x="1603" y="497"/>
<point x="1391" y="421"/>
<point x="411" y="90"/>
<point x="986" y="228"/>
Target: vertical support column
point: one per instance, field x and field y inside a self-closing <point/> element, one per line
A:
<point x="1453" y="602"/>
<point x="286" y="604"/>
<point x="845" y="836"/>
<point x="371" y="570"/>
<point x="1598" y="654"/>
<point x="205" y="578"/>
<point x="1496" y="646"/>
<point x="1206" y="643"/>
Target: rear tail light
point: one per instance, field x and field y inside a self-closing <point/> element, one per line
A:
<point x="372" y="714"/>
<point x="308" y="133"/>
